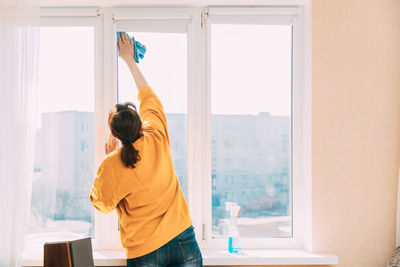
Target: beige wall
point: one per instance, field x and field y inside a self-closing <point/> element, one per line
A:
<point x="356" y="128"/>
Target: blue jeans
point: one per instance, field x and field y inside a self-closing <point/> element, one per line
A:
<point x="182" y="251"/>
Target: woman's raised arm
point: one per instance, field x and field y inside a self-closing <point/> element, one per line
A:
<point x="126" y="51"/>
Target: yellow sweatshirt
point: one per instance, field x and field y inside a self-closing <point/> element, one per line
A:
<point x="150" y="204"/>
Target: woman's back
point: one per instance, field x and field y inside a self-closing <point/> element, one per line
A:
<point x="148" y="198"/>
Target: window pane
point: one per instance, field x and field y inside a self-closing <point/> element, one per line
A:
<point x="64" y="151"/>
<point x="165" y="68"/>
<point x="251" y="128"/>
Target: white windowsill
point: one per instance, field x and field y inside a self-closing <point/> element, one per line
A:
<point x="218" y="257"/>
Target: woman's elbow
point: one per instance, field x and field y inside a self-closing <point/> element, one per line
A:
<point x="101" y="206"/>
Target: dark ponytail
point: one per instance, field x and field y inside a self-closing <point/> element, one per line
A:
<point x="125" y="124"/>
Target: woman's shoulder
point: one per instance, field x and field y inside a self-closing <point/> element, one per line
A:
<point x="111" y="158"/>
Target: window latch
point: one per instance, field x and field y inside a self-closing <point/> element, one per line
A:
<point x="203" y="232"/>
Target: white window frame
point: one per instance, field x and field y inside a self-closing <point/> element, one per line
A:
<point x="198" y="20"/>
<point x="169" y="20"/>
<point x="300" y="219"/>
<point x="69" y="17"/>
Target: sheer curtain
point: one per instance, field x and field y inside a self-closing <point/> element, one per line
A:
<point x="19" y="43"/>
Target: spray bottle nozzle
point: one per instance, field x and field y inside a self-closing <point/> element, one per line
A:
<point x="234" y="210"/>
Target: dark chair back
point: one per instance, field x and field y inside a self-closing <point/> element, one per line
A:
<point x="75" y="253"/>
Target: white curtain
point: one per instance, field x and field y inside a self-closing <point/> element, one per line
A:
<point x="19" y="52"/>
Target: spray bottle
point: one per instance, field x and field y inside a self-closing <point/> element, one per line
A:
<point x="233" y="232"/>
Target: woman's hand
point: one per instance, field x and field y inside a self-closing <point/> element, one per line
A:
<point x="126" y="48"/>
<point x="111" y="144"/>
<point x="126" y="51"/>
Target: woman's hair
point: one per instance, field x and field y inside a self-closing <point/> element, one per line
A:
<point x="125" y="124"/>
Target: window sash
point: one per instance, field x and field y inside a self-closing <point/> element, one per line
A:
<point x="263" y="16"/>
<point x="120" y="21"/>
<point x="72" y="17"/>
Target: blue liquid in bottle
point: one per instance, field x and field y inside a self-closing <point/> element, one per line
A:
<point x="233" y="237"/>
<point x="233" y="245"/>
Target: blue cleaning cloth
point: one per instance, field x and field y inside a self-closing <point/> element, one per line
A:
<point x="140" y="49"/>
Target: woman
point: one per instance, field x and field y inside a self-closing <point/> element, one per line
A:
<point x="140" y="182"/>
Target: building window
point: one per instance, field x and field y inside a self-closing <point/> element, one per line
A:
<point x="245" y="179"/>
<point x="228" y="161"/>
<point x="228" y="143"/>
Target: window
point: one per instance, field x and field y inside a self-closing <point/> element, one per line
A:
<point x="214" y="163"/>
<point x="228" y="160"/>
<point x="258" y="85"/>
<point x="245" y="180"/>
<point x="228" y="144"/>
<point x="83" y="145"/>
<point x="64" y="157"/>
<point x="235" y="86"/>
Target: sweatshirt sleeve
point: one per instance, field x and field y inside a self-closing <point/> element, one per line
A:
<point x="104" y="194"/>
<point x="152" y="112"/>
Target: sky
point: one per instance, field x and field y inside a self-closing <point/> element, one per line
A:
<point x="66" y="69"/>
<point x="250" y="69"/>
<point x="164" y="67"/>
